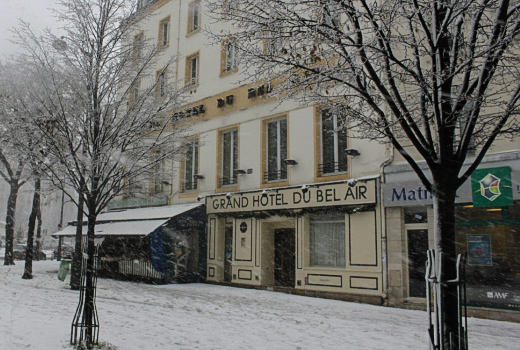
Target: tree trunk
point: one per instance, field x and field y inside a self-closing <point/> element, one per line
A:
<point x="88" y="312"/>
<point x="445" y="247"/>
<point x="39" y="231"/>
<point x="27" y="274"/>
<point x="75" y="273"/>
<point x="10" y="221"/>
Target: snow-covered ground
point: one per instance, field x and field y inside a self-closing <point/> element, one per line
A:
<point x="36" y="314"/>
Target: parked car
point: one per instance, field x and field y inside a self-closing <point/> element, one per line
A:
<point x="19" y="252"/>
<point x="66" y="252"/>
<point x="49" y="254"/>
<point x="41" y="255"/>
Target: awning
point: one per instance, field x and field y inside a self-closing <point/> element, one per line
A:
<point x="131" y="222"/>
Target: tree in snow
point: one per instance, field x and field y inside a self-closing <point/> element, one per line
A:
<point x="23" y="135"/>
<point x="14" y="136"/>
<point x="106" y="118"/>
<point x="440" y="80"/>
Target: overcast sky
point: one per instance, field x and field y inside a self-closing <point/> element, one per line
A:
<point x="36" y="12"/>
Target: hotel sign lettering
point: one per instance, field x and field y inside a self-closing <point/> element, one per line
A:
<point x="294" y="198"/>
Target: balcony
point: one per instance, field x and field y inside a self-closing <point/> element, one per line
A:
<point x="227" y="181"/>
<point x="189" y="186"/>
<point x="272" y="176"/>
<point x="332" y="168"/>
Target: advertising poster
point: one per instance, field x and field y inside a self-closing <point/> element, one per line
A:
<point x="479" y="250"/>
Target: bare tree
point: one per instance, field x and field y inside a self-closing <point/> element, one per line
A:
<point x="440" y="80"/>
<point x="11" y="172"/>
<point x="13" y="158"/>
<point x="22" y="134"/>
<point x="106" y="116"/>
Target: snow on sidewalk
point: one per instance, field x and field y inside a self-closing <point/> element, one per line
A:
<point x="36" y="314"/>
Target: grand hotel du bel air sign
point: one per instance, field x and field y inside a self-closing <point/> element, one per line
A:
<point x="317" y="195"/>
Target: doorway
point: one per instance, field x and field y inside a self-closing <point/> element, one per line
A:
<point x="284" y="257"/>
<point x="228" y="252"/>
<point x="417" y="247"/>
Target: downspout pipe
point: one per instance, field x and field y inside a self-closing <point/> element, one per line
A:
<point x="384" y="245"/>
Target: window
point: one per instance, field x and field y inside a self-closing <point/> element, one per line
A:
<point x="276" y="149"/>
<point x="229" y="56"/>
<point x="133" y="187"/>
<point x="192" y="69"/>
<point x="143" y="3"/>
<point x="272" y="42"/>
<point x="229" y="141"/>
<point x="191" y="166"/>
<point x="157" y="184"/>
<point x="161" y="83"/>
<point x="327" y="241"/>
<point x="164" y="31"/>
<point x="333" y="137"/>
<point x="137" y="46"/>
<point x="134" y="92"/>
<point x="194" y="16"/>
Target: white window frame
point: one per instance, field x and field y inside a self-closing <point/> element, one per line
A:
<point x="230" y="52"/>
<point x="193" y="147"/>
<point x="165" y="27"/>
<point x="137" y="46"/>
<point x="232" y="170"/>
<point x="194" y="9"/>
<point x="335" y="135"/>
<point x="193" y="69"/>
<point x="279" y="159"/>
<point x="162" y="83"/>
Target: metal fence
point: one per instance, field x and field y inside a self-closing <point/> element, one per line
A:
<point x="130" y="270"/>
<point x="436" y="286"/>
<point x="139" y="268"/>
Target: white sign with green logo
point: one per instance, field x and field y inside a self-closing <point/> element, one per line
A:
<point x="491" y="187"/>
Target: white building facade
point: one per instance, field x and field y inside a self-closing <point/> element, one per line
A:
<point x="287" y="206"/>
<point x="297" y="200"/>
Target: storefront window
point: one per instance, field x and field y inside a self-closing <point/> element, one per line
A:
<point x="327" y="241"/>
<point x="490" y="238"/>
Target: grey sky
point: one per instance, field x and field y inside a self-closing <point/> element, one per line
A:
<point x="35" y="12"/>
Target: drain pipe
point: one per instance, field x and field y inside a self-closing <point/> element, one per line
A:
<point x="384" y="245"/>
<point x="177" y="53"/>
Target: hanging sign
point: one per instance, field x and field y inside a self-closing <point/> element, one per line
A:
<point x="491" y="187"/>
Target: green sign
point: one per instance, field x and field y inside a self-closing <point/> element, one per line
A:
<point x="491" y="187"/>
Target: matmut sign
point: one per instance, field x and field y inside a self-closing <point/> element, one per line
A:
<point x="293" y="198"/>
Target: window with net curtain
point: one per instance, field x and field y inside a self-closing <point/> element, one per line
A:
<point x="327" y="240"/>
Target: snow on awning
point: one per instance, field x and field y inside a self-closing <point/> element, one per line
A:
<point x="131" y="222"/>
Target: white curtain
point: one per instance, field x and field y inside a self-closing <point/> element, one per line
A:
<point x="327" y="241"/>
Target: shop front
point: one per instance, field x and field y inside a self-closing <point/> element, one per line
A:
<point x="321" y="237"/>
<point x="487" y="233"/>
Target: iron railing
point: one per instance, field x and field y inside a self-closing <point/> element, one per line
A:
<point x="226" y="181"/>
<point x="331" y="168"/>
<point x="275" y="175"/>
<point x="189" y="186"/>
<point x="83" y="329"/>
<point x="127" y="269"/>
<point x="436" y="287"/>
